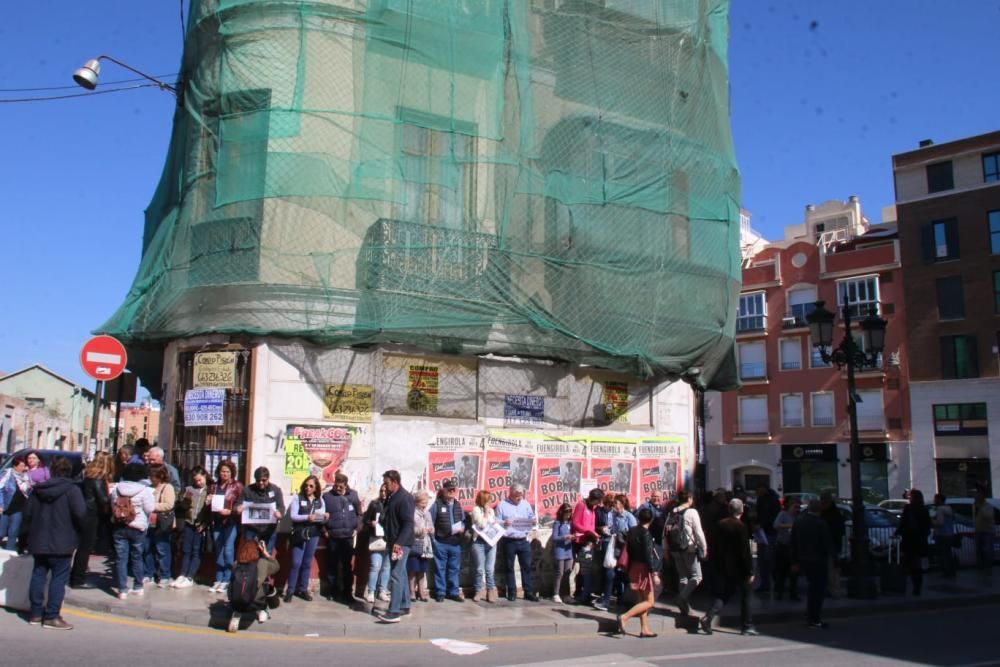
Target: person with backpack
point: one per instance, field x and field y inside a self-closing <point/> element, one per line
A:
<point x="684" y="542"/>
<point x="223" y="497"/>
<point x="248" y="589"/>
<point x="161" y="527"/>
<point x="343" y="510"/>
<point x="449" y="526"/>
<point x="54" y="512"/>
<point x="308" y="515"/>
<point x="131" y="504"/>
<point x="190" y="510"/>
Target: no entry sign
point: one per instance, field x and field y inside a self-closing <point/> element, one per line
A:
<point x="103" y="358"/>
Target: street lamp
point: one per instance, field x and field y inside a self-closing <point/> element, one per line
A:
<point x="86" y="76"/>
<point x="849" y="355"/>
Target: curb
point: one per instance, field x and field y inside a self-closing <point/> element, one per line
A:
<point x="566" y="620"/>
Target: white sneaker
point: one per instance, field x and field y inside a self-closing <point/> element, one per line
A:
<point x="164" y="583"/>
<point x="217" y="587"/>
<point x="123" y="596"/>
<point x="262" y="616"/>
<point x="234" y="623"/>
<point x="137" y="591"/>
<point x="369" y="596"/>
<point x="183" y="582"/>
<point x="383" y="596"/>
<point x="557" y="599"/>
<point x="146" y="581"/>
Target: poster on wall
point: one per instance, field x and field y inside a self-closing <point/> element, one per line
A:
<point x="615" y="400"/>
<point x="613" y="465"/>
<point x="296" y="464"/>
<point x="213" y="457"/>
<point x="457" y="457"/>
<point x="510" y="459"/>
<point x="214" y="369"/>
<point x="523" y="410"/>
<point x="560" y="467"/>
<point x="660" y="466"/>
<point x="422" y="388"/>
<point x="204" y="407"/>
<point x="348" y="402"/>
<point x="326" y="447"/>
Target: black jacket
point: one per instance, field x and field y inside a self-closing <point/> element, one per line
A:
<point x="272" y="494"/>
<point x="639" y="543"/>
<point x="54" y="512"/>
<point x="345" y="513"/>
<point x="811" y="540"/>
<point x="768" y="508"/>
<point x="95" y="495"/>
<point x="733" y="550"/>
<point x="397" y="519"/>
<point x="914" y="527"/>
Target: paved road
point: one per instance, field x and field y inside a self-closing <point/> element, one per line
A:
<point x="956" y="637"/>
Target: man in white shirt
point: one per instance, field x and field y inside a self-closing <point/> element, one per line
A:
<point x="517" y="517"/>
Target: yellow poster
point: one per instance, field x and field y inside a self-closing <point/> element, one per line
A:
<point x="422" y="388"/>
<point x="296" y="462"/>
<point x="615" y="400"/>
<point x="348" y="402"/>
<point x="215" y="369"/>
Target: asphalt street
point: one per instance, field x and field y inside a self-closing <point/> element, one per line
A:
<point x="954" y="637"/>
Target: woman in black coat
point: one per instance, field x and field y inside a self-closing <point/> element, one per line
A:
<point x="914" y="527"/>
<point x="97" y="478"/>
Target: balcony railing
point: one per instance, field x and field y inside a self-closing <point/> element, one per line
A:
<point x="750" y="323"/>
<point x="754" y="371"/>
<point x="753" y="426"/>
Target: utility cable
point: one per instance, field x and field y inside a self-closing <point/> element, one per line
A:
<point x="104" y="83"/>
<point x="66" y="97"/>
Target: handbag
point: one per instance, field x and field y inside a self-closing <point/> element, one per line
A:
<point x="164" y="522"/>
<point x="609" y="555"/>
<point x="623" y="561"/>
<point x="376" y="543"/>
<point x="301" y="534"/>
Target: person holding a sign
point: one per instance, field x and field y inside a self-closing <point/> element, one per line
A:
<point x="263" y="494"/>
<point x="484" y="549"/>
<point x="224" y="495"/>
<point x="518" y="518"/>
<point x="449" y="525"/>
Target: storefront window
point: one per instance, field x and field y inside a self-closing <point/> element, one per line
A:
<point x="874" y="481"/>
<point x="962" y="477"/>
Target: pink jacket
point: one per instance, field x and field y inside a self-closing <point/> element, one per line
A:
<point x="583" y="522"/>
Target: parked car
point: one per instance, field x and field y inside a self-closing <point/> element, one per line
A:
<point x="881" y="525"/>
<point x="894" y="505"/>
<point x="965" y="527"/>
<point x="75" y="458"/>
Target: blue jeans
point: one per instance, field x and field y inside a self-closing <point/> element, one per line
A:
<point x="447" y="560"/>
<point x="10" y="527"/>
<point x="378" y="571"/>
<point x="157" y="555"/>
<point x="485" y="557"/>
<point x="302" y="558"/>
<point x="224" y="537"/>
<point x="191" y="550"/>
<point x="522" y="550"/>
<point x="399" y="585"/>
<point x="59" y="566"/>
<point x="613" y="584"/>
<point x="268" y="533"/>
<point x="129" y="543"/>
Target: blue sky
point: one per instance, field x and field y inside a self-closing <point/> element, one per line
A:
<point x="823" y="93"/>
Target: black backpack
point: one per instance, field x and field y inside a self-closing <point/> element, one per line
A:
<point x="677" y="537"/>
<point x="243" y="587"/>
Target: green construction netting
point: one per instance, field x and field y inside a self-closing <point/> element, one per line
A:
<point x="552" y="178"/>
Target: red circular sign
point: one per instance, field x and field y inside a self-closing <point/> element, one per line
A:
<point x="103" y="358"/>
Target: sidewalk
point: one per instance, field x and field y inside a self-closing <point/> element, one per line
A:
<point x="196" y="606"/>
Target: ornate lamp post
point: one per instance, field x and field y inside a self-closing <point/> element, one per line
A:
<point x="849" y="355"/>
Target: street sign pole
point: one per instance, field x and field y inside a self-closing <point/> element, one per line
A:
<point x="97" y="415"/>
<point x="102" y="358"/>
<point x="118" y="414"/>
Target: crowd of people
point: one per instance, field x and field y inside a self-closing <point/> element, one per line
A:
<point x="606" y="554"/>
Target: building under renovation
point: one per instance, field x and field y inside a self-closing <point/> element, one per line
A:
<point x="494" y="240"/>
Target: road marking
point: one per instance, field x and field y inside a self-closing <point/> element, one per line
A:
<point x="721" y="654"/>
<point x="263" y="636"/>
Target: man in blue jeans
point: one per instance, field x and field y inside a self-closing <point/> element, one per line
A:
<point x="54" y="511"/>
<point x="518" y="518"/>
<point x="397" y="523"/>
<point x="449" y="524"/>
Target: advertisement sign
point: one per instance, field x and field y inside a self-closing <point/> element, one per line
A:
<point x="510" y="459"/>
<point x="523" y="409"/>
<point x="560" y="467"/>
<point x="215" y="369"/>
<point x="615" y="400"/>
<point x="203" y="407"/>
<point x="325" y="446"/>
<point x="296" y="463"/>
<point x="348" y="402"/>
<point x="614" y="466"/>
<point x="660" y="466"/>
<point x="459" y="458"/>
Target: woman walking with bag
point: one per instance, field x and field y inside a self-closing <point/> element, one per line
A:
<point x="161" y="526"/>
<point x="643" y="566"/>
<point x="378" y="563"/>
<point x="308" y="516"/>
<point x="422" y="550"/>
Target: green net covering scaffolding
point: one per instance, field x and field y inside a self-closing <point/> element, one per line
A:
<point x="551" y="178"/>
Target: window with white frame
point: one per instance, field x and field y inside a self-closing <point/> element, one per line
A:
<point x="822" y="409"/>
<point x="753" y="414"/>
<point x="815" y="358"/>
<point x="869" y="409"/>
<point x="752" y="314"/>
<point x="791" y="410"/>
<point x="753" y="365"/>
<point x="860" y="294"/>
<point x="801" y="302"/>
<point x="791" y="353"/>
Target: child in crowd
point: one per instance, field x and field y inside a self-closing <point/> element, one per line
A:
<point x="562" y="549"/>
